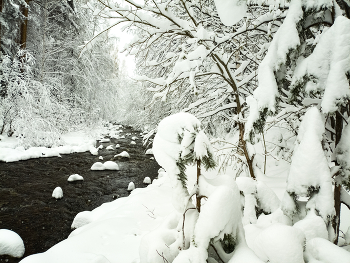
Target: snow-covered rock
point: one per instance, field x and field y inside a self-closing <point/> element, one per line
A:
<point x="123" y="154"/>
<point x="109" y="165"/>
<point x="149" y="151"/>
<point x="75" y="177"/>
<point x="132" y="142"/>
<point x="100" y="157"/>
<point x="105" y="140"/>
<point x="11" y="244"/>
<point x="117" y="146"/>
<point x="100" y="147"/>
<point x="110" y="147"/>
<point x="134" y="138"/>
<point x="147" y="180"/>
<point x="57" y="193"/>
<point x="98" y="166"/>
<point x="94" y="151"/>
<point x="131" y="186"/>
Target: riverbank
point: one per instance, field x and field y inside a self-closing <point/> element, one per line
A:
<point x="26" y="204"/>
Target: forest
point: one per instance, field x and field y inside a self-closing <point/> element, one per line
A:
<point x="246" y="102"/>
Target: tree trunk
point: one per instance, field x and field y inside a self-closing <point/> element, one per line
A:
<point x="243" y="144"/>
<point x="24" y="26"/>
<point x="198" y="198"/>
<point x="337" y="188"/>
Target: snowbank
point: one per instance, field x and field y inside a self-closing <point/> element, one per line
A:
<point x="72" y="143"/>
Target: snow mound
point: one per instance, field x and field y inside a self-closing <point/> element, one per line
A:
<point x="117" y="146"/>
<point x="132" y="142"/>
<point x="11" y="244"/>
<point x="94" y="151"/>
<point x="131" y="186"/>
<point x="321" y="250"/>
<point x="57" y="193"/>
<point x="134" y="138"/>
<point x="312" y="226"/>
<point x="75" y="177"/>
<point x="81" y="219"/>
<point x="123" y="154"/>
<point x="279" y="243"/>
<point x="110" y="147"/>
<point x="149" y="151"/>
<point x="109" y="165"/>
<point x="98" y="166"/>
<point x="101" y="158"/>
<point x="147" y="180"/>
<point x="105" y="140"/>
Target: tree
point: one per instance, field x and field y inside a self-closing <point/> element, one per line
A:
<point x="55" y="89"/>
<point x="187" y="57"/>
<point x="309" y="65"/>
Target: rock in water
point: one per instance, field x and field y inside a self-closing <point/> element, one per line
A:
<point x="57" y="193"/>
<point x="131" y="186"/>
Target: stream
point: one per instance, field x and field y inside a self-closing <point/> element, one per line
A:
<point x="28" y="208"/>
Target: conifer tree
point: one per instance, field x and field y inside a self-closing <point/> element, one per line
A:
<point x="308" y="64"/>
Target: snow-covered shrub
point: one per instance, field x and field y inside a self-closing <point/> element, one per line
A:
<point x="180" y="142"/>
<point x="309" y="174"/>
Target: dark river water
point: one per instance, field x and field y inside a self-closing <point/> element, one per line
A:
<point x="28" y="208"/>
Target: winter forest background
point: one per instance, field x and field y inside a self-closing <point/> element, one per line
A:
<point x="267" y="80"/>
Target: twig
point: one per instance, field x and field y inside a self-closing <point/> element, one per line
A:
<point x="164" y="259"/>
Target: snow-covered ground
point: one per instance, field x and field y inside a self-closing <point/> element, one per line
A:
<point x="72" y="142"/>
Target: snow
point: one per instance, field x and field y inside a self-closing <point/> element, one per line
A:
<point x="279" y="243"/>
<point x="321" y="250"/>
<point x="214" y="220"/>
<point x="149" y="151"/>
<point x="312" y="226"/>
<point x="110" y="147"/>
<point x="286" y="38"/>
<point x="109" y="165"/>
<point x="309" y="165"/>
<point x="343" y="149"/>
<point x="135" y="228"/>
<point x="75" y="177"/>
<point x="131" y="186"/>
<point x="72" y="142"/>
<point x="230" y="12"/>
<point x="105" y="140"/>
<point x="11" y="243"/>
<point x="147" y="180"/>
<point x="201" y="145"/>
<point x="328" y="64"/>
<point x="123" y="154"/>
<point x="57" y="193"/>
<point x="132" y="142"/>
<point x="100" y="157"/>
